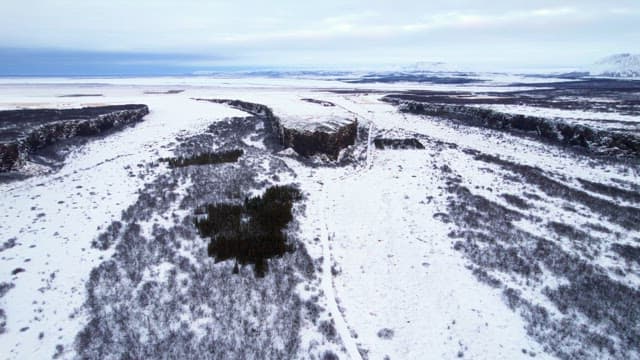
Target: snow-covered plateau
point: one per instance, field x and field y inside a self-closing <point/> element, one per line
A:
<point x="512" y="233"/>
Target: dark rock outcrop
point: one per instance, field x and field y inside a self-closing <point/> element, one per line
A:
<point x="555" y="131"/>
<point x="327" y="141"/>
<point x="254" y="109"/>
<point x="323" y="139"/>
<point x="24" y="131"/>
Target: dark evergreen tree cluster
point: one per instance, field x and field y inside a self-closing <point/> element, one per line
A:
<point x="252" y="232"/>
<point x="205" y="158"/>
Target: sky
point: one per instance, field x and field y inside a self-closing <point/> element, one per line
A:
<point x="118" y="37"/>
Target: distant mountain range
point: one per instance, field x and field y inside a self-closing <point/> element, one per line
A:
<point x="619" y="65"/>
<point x="616" y="66"/>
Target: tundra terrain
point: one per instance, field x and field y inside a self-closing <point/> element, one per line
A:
<point x="484" y="217"/>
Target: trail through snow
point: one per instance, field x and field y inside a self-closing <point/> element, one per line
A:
<point x="329" y="289"/>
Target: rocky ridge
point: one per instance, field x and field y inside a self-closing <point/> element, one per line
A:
<point x="24" y="131"/>
<point x="306" y="141"/>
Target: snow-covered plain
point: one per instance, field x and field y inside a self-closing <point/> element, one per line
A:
<point x="390" y="276"/>
<point x="54" y="217"/>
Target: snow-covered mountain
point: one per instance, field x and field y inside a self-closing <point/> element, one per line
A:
<point x="619" y="65"/>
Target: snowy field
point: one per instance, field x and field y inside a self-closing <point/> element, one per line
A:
<point x="483" y="245"/>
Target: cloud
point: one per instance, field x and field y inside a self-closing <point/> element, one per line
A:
<point x="255" y="31"/>
<point x="17" y="61"/>
<point x="624" y="11"/>
<point x="352" y="26"/>
<point x="351" y="18"/>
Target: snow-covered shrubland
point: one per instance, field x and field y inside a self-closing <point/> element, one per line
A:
<point x="425" y="239"/>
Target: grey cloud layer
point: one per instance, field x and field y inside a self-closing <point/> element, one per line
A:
<point x="295" y="31"/>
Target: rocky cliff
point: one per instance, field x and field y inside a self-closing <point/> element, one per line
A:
<point x="555" y="131"/>
<point x="328" y="141"/>
<point x="24" y="131"/>
<point x="324" y="138"/>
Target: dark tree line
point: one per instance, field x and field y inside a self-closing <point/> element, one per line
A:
<point x="205" y="158"/>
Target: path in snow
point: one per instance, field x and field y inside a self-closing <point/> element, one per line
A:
<point x="397" y="269"/>
<point x="403" y="290"/>
<point x="328" y="286"/>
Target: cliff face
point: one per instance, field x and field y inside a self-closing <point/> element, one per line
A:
<point x="322" y="140"/>
<point x="24" y="131"/>
<point x="329" y="142"/>
<point x="555" y="131"/>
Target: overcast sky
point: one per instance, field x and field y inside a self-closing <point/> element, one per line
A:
<point x="162" y="34"/>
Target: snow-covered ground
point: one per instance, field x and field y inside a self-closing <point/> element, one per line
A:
<point x="55" y="217"/>
<point x="401" y="287"/>
<point x="392" y="279"/>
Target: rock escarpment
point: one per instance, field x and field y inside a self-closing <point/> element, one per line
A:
<point x="328" y="136"/>
<point x="555" y="131"/>
<point x="307" y="136"/>
<point x="24" y="131"/>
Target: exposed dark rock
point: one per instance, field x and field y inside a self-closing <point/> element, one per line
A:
<point x="327" y="141"/>
<point x="596" y="95"/>
<point x="554" y="131"/>
<point x="25" y="131"/>
<point x="254" y="109"/>
<point x="327" y="138"/>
